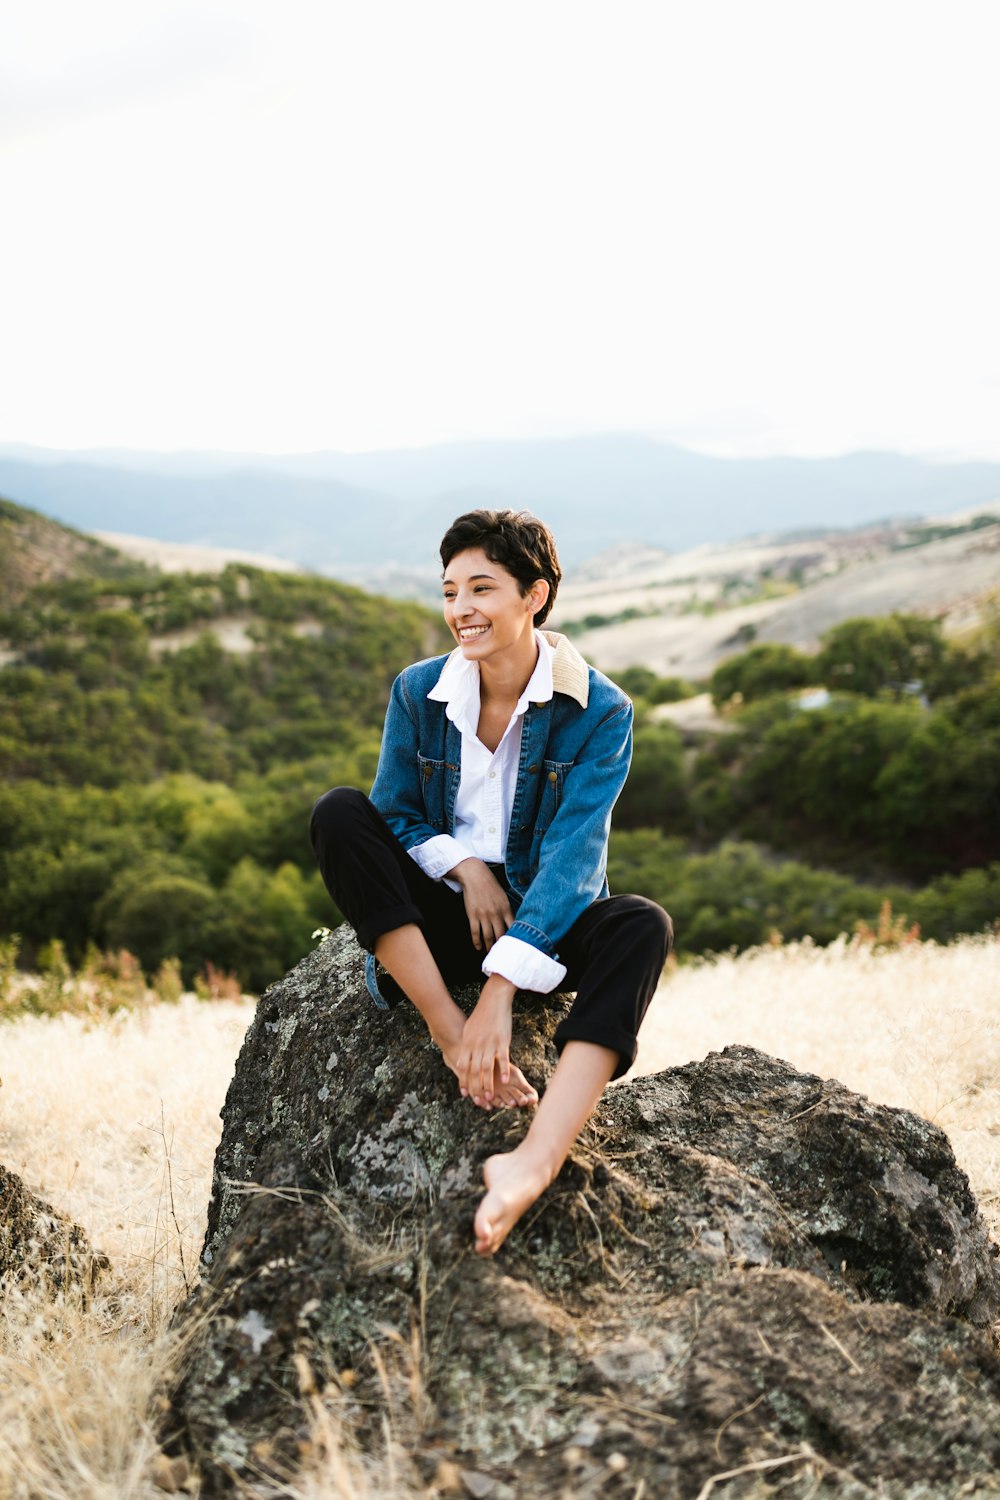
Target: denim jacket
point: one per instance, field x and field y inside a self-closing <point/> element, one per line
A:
<point x="575" y="754"/>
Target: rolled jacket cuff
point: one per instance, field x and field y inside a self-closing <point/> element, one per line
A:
<point x="527" y="967"/>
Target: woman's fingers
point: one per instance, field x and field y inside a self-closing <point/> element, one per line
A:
<point x="483" y="1062"/>
<point x="499" y="923"/>
<point x="487" y="927"/>
<point x="486" y="903"/>
<point x="487" y="1063"/>
<point x="490" y="1075"/>
<point x="475" y="1075"/>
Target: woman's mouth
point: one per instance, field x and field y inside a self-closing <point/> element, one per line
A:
<point x="467" y="633"/>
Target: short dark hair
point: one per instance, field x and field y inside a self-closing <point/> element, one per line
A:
<point x="516" y="540"/>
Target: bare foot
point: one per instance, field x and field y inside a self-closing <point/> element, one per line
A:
<point x="513" y="1183"/>
<point x="517" y="1091"/>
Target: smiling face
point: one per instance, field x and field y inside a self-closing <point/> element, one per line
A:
<point x="486" y="611"/>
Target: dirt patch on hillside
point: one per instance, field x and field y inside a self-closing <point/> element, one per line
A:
<point x="686" y="628"/>
<point x="188" y="557"/>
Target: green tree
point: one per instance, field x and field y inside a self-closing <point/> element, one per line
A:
<point x="264" y="921"/>
<point x="814" y="773"/>
<point x="644" y="686"/>
<point x="162" y="914"/>
<point x="955" y="904"/>
<point x="873" y="656"/>
<point x="738" y="896"/>
<point x="938" y="795"/>
<point x="655" y="793"/>
<point x="764" y="669"/>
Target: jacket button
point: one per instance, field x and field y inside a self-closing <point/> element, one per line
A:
<point x="553" y="777"/>
<point x="532" y="770"/>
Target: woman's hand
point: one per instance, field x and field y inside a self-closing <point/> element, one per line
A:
<point x="486" y="904"/>
<point x="483" y="1065"/>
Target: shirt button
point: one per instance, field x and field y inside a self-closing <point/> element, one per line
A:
<point x="492" y="775"/>
<point x="492" y="830"/>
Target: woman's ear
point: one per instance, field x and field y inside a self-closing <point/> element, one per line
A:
<point x="538" y="594"/>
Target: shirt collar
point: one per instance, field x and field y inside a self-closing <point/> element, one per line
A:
<point x="458" y="686"/>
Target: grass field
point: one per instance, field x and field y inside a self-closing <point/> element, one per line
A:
<point x="116" y="1123"/>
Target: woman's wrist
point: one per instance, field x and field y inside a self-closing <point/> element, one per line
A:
<point x="498" y="990"/>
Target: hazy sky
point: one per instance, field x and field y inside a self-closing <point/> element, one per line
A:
<point x="747" y="225"/>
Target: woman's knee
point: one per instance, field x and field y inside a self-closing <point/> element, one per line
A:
<point x="650" y="925"/>
<point x="336" y="811"/>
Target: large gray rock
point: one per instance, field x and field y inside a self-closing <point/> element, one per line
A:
<point x="739" y="1265"/>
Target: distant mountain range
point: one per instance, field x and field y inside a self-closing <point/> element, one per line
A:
<point x="374" y="517"/>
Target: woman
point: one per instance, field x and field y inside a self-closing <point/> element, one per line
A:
<point x="484" y="846"/>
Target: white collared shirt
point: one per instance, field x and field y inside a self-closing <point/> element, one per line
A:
<point x="483" y="805"/>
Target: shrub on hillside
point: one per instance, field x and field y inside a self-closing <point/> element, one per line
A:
<point x="737" y="896"/>
<point x="655" y="794"/>
<point x="760" y="672"/>
<point x="955" y="904"/>
<point x="644" y="687"/>
<point x="161" y="914"/>
<point x="884" y="654"/>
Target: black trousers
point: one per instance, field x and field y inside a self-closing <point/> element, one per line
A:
<point x="614" y="953"/>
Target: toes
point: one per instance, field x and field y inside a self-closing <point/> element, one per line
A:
<point x="484" y="1237"/>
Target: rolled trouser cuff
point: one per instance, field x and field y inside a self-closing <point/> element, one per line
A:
<point x="616" y="1040"/>
<point x="387" y="920"/>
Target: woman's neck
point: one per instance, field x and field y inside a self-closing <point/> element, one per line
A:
<point x="505" y="680"/>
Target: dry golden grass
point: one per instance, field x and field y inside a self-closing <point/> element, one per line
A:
<point x="103" y="1120"/>
<point x="117" y="1123"/>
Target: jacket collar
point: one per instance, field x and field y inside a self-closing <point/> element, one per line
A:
<point x="458" y="686"/>
<point x="570" y="673"/>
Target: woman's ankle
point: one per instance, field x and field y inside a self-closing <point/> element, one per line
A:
<point x="535" y="1161"/>
<point x="448" y="1040"/>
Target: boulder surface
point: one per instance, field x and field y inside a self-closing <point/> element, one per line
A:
<point x="40" y="1245"/>
<point x="740" y="1268"/>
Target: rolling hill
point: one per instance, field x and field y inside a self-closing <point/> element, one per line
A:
<point x="376" y="517"/>
<point x="35" y="549"/>
<point x="683" y="614"/>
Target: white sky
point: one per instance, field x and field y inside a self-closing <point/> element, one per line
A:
<point x="747" y="225"/>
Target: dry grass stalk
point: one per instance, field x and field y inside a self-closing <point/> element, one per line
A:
<point x="757" y="1468"/>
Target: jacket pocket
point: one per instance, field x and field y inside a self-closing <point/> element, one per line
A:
<point x="433" y="780"/>
<point x="554" y="773"/>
